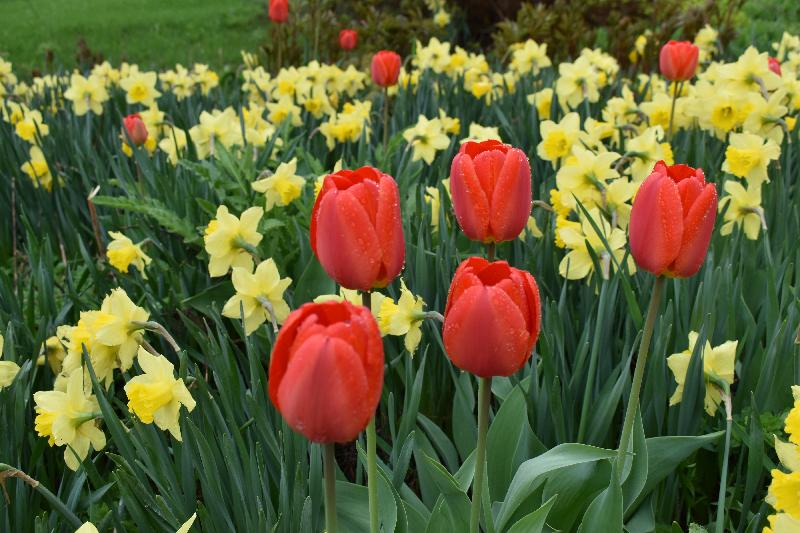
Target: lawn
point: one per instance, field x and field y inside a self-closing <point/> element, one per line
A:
<point x="151" y="33"/>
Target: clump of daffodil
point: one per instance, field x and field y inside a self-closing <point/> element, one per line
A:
<point x="426" y="137"/>
<point x="718" y="363"/>
<point x="228" y="238"/>
<point x="403" y="318"/>
<point x="718" y="107"/>
<point x="785" y="487"/>
<point x="529" y="57"/>
<point x="748" y="157"/>
<point x="580" y="237"/>
<point x="86" y="94"/>
<point x="706" y="41"/>
<point x="259" y="296"/>
<point x="743" y="209"/>
<point x="140" y="88"/>
<point x="354" y="297"/>
<point x="122" y="253"/>
<point x="585" y="176"/>
<point x="67" y="418"/>
<point x="282" y="187"/>
<point x="480" y="133"/>
<point x="217" y="128"/>
<point x="285" y="109"/>
<point x="347" y="125"/>
<point x="37" y="169"/>
<point x="558" y="138"/>
<point x="157" y="396"/>
<point x="577" y="82"/>
<point x="8" y="369"/>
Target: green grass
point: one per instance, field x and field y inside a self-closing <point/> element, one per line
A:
<point x="153" y="33"/>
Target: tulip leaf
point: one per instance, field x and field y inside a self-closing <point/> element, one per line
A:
<point x="606" y="509"/>
<point x="535" y="521"/>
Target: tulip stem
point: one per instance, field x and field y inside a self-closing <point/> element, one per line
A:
<point x="372" y="451"/>
<point x="638" y="373"/>
<point x="484" y="397"/>
<point x="385" y="118"/>
<point x="330" y="488"/>
<point x="490" y="247"/>
<point x="675" y="94"/>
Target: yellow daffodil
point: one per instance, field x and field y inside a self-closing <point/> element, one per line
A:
<point x="529" y="58"/>
<point x="86" y="94"/>
<point x="37" y="169"/>
<point x="122" y="253"/>
<point x="578" y="238"/>
<point x="557" y="139"/>
<point x="32" y="127"/>
<point x="187" y="525"/>
<point x="173" y="143"/>
<point x="426" y="137"/>
<point x="258" y="295"/>
<point x="748" y="156"/>
<point x="706" y="41"/>
<point x="157" y="396"/>
<point x="432" y="199"/>
<point x="784" y="492"/>
<point x="646" y="150"/>
<point x="585" y="176"/>
<point x="441" y="18"/>
<point x="53" y="352"/>
<point x="577" y="82"/>
<point x="480" y="133"/>
<point x="403" y="318"/>
<point x="228" y="237"/>
<point x="215" y="128"/>
<point x="87" y="527"/>
<point x="717" y="362"/>
<point x="140" y="88"/>
<point x="121" y="333"/>
<point x="282" y="187"/>
<point x="744" y="209"/>
<point x="543" y="101"/>
<point x="284" y="109"/>
<point x="8" y="369"/>
<point x="354" y="297"/>
<point x="532" y="229"/>
<point x="450" y="125"/>
<point x="68" y="419"/>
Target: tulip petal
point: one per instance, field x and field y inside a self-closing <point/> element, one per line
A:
<point x="389" y="229"/>
<point x="470" y="203"/>
<point x="656" y="224"/>
<point x="697" y="228"/>
<point x="511" y="197"/>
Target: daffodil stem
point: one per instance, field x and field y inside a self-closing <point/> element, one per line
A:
<point x="330" y="488"/>
<point x="7" y="471"/>
<point x="372" y="451"/>
<point x="157" y="328"/>
<point x="675" y="94"/>
<point x="638" y="373"/>
<point x="723" y="482"/>
<point x="484" y="397"/>
<point x="267" y="305"/>
<point x="385" y="118"/>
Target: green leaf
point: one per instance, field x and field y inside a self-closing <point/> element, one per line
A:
<point x="606" y="509"/>
<point x="507" y="435"/>
<point x="530" y="473"/>
<point x="156" y="210"/>
<point x="535" y="521"/>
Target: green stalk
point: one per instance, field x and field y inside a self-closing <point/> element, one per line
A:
<point x="7" y="471"/>
<point x="723" y="482"/>
<point x="330" y="488"/>
<point x="587" y="396"/>
<point x="675" y="94"/>
<point x="372" y="451"/>
<point x="484" y="397"/>
<point x="638" y="373"/>
<point x="385" y="118"/>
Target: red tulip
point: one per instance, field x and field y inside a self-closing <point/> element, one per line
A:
<point x="492" y="318"/>
<point x="137" y="131"/>
<point x="356" y="229"/>
<point x="775" y="65"/>
<point x="491" y="190"/>
<point x="279" y="11"/>
<point x="326" y="371"/>
<point x="678" y="60"/>
<point x="348" y="39"/>
<point x="672" y="219"/>
<point x="385" y="68"/>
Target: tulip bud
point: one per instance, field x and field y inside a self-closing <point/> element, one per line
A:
<point x="385" y="68"/>
<point x="137" y="131"/>
<point x="348" y="39"/>
<point x="490" y="184"/>
<point x="775" y="65"/>
<point x="678" y="60"/>
<point x="356" y="229"/>
<point x="672" y="219"/>
<point x="279" y="11"/>
<point x="492" y="318"/>
<point x="326" y="370"/>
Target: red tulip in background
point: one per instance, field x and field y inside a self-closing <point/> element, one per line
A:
<point x="491" y="190"/>
<point x="326" y="371"/>
<point x="775" y="65"/>
<point x="279" y="11"/>
<point x="385" y="68"/>
<point x="672" y="219"/>
<point x="137" y="131"/>
<point x="492" y="317"/>
<point x="678" y="60"/>
<point x="348" y="39"/>
<point x="356" y="229"/>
